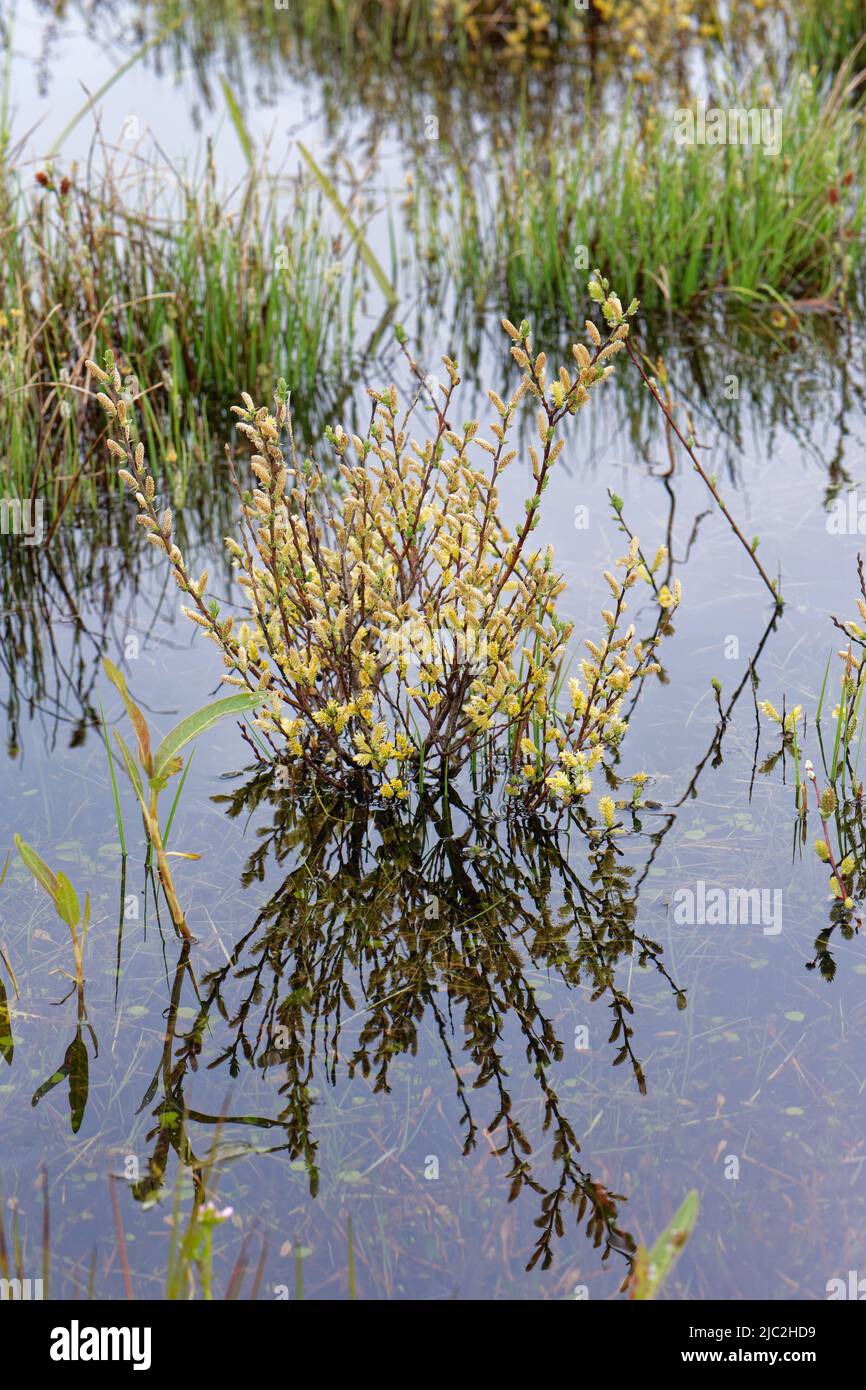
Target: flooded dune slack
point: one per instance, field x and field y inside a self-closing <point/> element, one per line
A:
<point x="432" y="858"/>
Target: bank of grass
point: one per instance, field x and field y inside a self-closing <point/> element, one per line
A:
<point x="675" y="222"/>
<point x="198" y="292"/>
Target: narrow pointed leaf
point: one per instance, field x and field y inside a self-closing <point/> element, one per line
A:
<point x="351" y="225"/>
<point x="54" y="1080"/>
<point x="238" y="121"/>
<point x="67" y="901"/>
<point x="139" y="723"/>
<point x="653" y="1267"/>
<point x="86" y="919"/>
<point x="195" y="724"/>
<point x="131" y="770"/>
<point x="38" y="868"/>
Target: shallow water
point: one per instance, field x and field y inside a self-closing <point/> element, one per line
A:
<point x="753" y="1091"/>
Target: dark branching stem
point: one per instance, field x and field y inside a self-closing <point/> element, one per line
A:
<point x="705" y="478"/>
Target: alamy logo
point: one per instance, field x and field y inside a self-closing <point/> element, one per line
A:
<point x="714" y="907"/>
<point x="855" y="1287"/>
<point x="20" y="1290"/>
<point x="22" y="518"/>
<point x="712" y="125"/>
<point x="847" y="516"/>
<point x="76" y="1343"/>
<point x="418" y="646"/>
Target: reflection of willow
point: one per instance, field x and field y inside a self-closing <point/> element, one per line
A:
<point x="851" y="839"/>
<point x="446" y="912"/>
<point x="389" y="58"/>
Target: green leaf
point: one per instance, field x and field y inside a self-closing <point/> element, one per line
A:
<point x="86" y="919"/>
<point x="38" y="869"/>
<point x="238" y="121"/>
<point x="75" y="1066"/>
<point x="139" y="723"/>
<point x="653" y="1267"/>
<point x="132" y="771"/>
<point x="195" y="724"/>
<point x="67" y="902"/>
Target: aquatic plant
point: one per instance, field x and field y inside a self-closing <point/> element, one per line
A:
<point x="766" y="221"/>
<point x="519" y="29"/>
<point x="75" y="1066"/>
<point x="155" y="768"/>
<point x="401" y="630"/>
<point x="65" y="901"/>
<point x="652" y="1268"/>
<point x="192" y="1252"/>
<point x="837" y="797"/>
<point x="197" y="292"/>
<point x="648" y="31"/>
<point x="469" y="33"/>
<point x="830" y="33"/>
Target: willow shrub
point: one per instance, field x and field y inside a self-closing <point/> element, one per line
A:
<point x="397" y="626"/>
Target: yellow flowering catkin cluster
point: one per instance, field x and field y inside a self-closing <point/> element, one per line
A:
<point x="595" y="722"/>
<point x="397" y="626"/>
